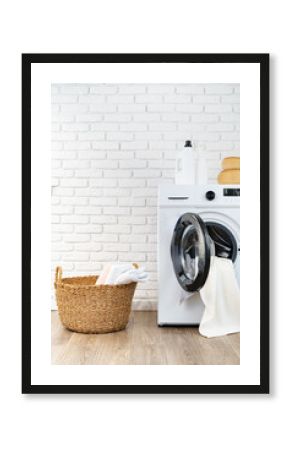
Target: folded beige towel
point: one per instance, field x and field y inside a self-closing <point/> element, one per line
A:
<point x="230" y="176"/>
<point x="232" y="162"/>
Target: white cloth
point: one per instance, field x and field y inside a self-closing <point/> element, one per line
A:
<point x="115" y="271"/>
<point x="133" y="275"/>
<point x="122" y="274"/>
<point x="221" y="297"/>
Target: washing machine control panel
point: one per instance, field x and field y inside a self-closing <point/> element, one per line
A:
<point x="195" y="196"/>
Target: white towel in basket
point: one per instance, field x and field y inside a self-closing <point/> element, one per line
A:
<point x="122" y="274"/>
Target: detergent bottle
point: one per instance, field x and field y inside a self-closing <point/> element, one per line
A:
<point x="186" y="164"/>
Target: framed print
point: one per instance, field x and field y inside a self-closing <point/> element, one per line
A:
<point x="145" y="223"/>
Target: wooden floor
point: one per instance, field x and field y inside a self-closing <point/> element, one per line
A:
<point x="142" y="342"/>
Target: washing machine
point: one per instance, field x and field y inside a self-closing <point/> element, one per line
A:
<point x="194" y="223"/>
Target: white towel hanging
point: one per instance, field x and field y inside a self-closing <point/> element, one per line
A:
<point x="221" y="298"/>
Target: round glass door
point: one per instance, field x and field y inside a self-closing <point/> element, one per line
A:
<point x="190" y="252"/>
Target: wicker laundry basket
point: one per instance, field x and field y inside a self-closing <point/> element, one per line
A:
<point x="87" y="308"/>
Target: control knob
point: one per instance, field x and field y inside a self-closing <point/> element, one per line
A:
<point x="210" y="195"/>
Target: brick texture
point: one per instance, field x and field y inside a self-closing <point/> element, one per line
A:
<point x="111" y="147"/>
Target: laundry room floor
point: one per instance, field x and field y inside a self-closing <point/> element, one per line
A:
<point x="142" y="342"/>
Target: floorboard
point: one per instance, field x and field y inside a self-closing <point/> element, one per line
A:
<point x="142" y="343"/>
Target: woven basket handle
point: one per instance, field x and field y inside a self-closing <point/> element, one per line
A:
<point x="58" y="274"/>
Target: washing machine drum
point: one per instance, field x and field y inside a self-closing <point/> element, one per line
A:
<point x="193" y="243"/>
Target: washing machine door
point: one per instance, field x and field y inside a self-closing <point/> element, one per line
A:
<point x="190" y="252"/>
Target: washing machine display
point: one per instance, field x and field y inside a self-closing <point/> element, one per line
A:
<point x="231" y="192"/>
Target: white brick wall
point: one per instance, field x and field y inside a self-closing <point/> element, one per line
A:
<point x="111" y="147"/>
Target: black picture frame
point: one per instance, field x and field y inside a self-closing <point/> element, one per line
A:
<point x="27" y="61"/>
